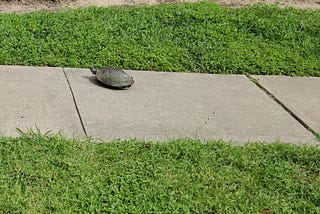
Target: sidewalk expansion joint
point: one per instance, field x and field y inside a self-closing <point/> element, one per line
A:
<point x="75" y="103"/>
<point x="296" y="117"/>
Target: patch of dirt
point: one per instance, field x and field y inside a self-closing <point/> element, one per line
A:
<point x="24" y="6"/>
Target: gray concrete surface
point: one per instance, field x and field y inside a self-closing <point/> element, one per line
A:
<point x="159" y="106"/>
<point x="300" y="94"/>
<point x="162" y="106"/>
<point x="36" y="97"/>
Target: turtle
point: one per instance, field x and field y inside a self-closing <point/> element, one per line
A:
<point x="113" y="77"/>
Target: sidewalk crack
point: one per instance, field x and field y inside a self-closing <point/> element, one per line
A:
<point x="75" y="103"/>
<point x="296" y="117"/>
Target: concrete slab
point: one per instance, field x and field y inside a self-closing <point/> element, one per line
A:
<point x="36" y="97"/>
<point x="161" y="106"/>
<point x="300" y="94"/>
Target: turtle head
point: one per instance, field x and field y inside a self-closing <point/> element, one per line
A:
<point x="93" y="70"/>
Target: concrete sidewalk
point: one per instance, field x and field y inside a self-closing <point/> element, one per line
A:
<point x="161" y="106"/>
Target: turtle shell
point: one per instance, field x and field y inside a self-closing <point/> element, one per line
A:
<point x="112" y="77"/>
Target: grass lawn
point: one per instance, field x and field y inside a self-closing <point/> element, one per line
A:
<point x="48" y="173"/>
<point x="43" y="173"/>
<point x="199" y="37"/>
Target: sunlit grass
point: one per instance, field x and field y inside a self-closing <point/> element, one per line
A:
<point x="198" y="37"/>
<point x="49" y="173"/>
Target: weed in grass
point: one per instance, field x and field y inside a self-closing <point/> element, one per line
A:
<point x="199" y="37"/>
<point x="49" y="173"/>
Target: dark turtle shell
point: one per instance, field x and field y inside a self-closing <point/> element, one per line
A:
<point x="112" y="77"/>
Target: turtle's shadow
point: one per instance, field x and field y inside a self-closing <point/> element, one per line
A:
<point x="96" y="82"/>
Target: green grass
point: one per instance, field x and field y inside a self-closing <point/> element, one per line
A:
<point x="48" y="173"/>
<point x="200" y="37"/>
